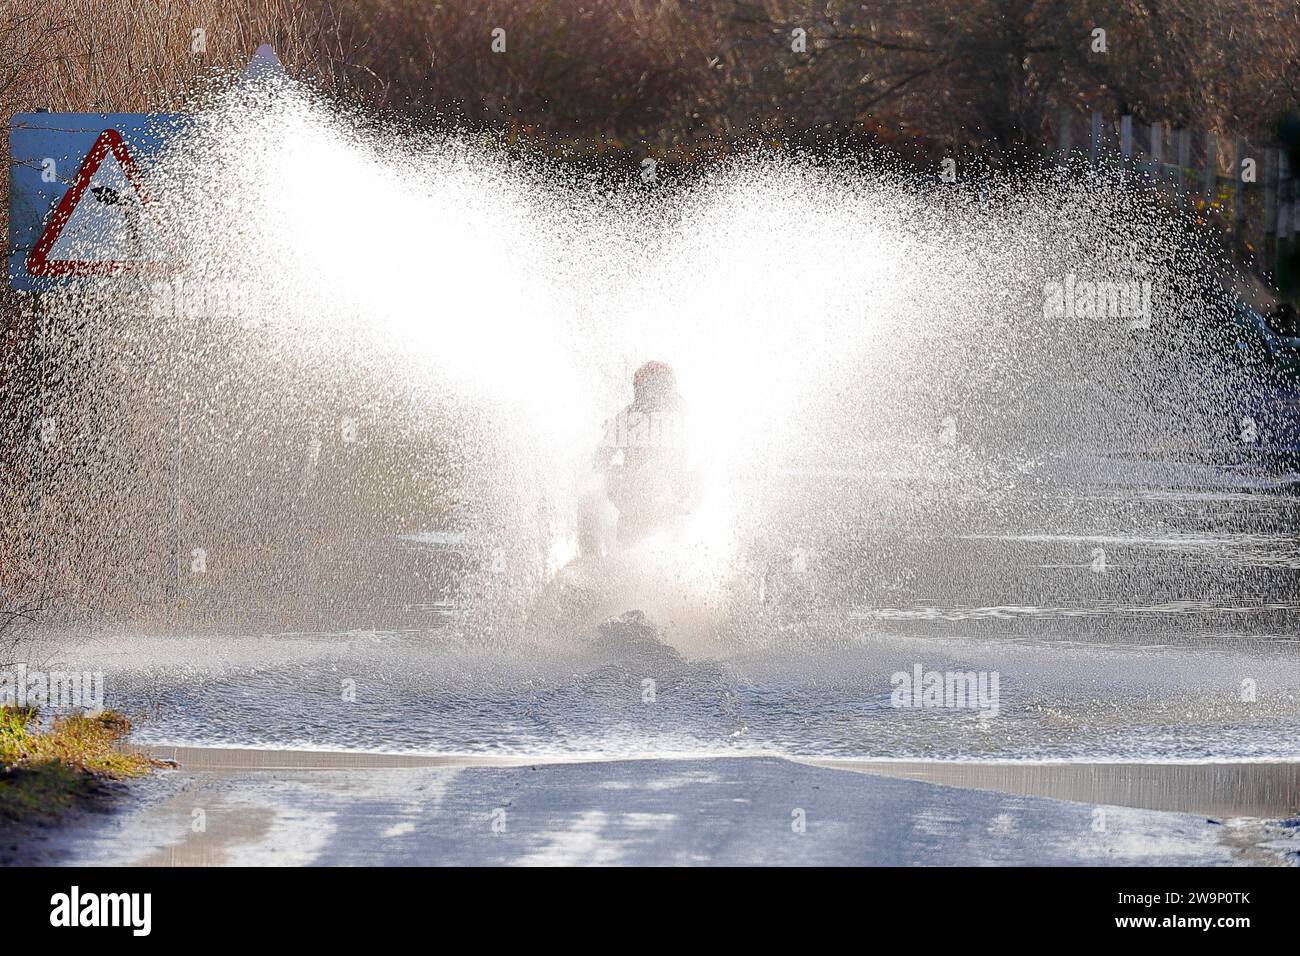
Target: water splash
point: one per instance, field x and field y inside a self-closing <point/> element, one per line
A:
<point x="381" y="334"/>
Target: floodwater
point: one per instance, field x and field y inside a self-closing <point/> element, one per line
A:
<point x="1183" y="648"/>
<point x="1074" y="534"/>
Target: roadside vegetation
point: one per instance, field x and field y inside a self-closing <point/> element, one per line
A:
<point x="47" y="767"/>
<point x="673" y="79"/>
<point x="46" y="772"/>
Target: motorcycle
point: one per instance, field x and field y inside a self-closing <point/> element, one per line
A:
<point x="649" y="556"/>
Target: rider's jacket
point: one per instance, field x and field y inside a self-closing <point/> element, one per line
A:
<point x="644" y="456"/>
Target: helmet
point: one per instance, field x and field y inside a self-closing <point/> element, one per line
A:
<point x="654" y="380"/>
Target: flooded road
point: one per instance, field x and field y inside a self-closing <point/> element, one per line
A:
<point x="1181" y="647"/>
<point x="703" y="811"/>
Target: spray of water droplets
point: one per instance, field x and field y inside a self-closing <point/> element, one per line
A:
<point x="380" y="334"/>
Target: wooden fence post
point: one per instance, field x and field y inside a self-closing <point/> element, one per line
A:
<point x="1291" y="200"/>
<point x="1184" y="158"/>
<point x="1157" y="151"/>
<point x="1066" y="135"/>
<point x="1270" y="208"/>
<point x="1094" y="149"/>
<point x="1125" y="143"/>
<point x="1285" y="198"/>
<point x="1211" y="182"/>
<point x="1239" y="185"/>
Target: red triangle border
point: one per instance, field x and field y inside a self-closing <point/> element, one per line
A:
<point x="38" y="263"/>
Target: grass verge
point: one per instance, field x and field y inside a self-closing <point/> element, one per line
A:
<point x="44" y="773"/>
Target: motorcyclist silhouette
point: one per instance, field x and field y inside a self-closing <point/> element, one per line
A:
<point x="643" y="459"/>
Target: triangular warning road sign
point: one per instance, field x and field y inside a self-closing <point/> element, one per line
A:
<point x="106" y="236"/>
